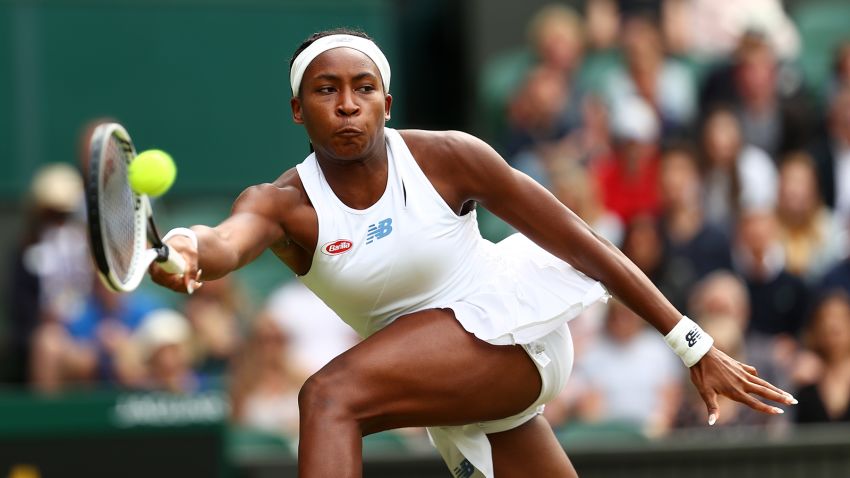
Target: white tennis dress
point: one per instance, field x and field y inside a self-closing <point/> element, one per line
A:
<point x="409" y="252"/>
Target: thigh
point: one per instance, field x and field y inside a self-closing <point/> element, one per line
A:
<point x="529" y="450"/>
<point x="424" y="369"/>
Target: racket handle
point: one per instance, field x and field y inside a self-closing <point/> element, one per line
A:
<point x="171" y="261"/>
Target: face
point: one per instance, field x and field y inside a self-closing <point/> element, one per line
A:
<point x="798" y="195"/>
<point x="679" y="180"/>
<point x="724" y="296"/>
<point x="756" y="75"/>
<point x="757" y="232"/>
<point x="643" y="245"/>
<point x="722" y="138"/>
<point x="559" y="45"/>
<point x="342" y="104"/>
<point x="831" y="331"/>
<point x="622" y="324"/>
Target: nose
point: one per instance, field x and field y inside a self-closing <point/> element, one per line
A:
<point x="347" y="105"/>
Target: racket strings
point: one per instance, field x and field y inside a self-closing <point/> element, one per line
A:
<point x="118" y="204"/>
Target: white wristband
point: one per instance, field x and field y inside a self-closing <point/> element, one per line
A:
<point x="689" y="341"/>
<point x="182" y="231"/>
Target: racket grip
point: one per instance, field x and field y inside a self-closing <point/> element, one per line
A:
<point x="173" y="262"/>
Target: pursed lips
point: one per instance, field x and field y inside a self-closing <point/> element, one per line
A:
<point x="348" y="131"/>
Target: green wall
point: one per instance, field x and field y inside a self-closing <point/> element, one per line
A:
<point x="206" y="81"/>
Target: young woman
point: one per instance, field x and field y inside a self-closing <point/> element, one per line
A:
<point x="463" y="336"/>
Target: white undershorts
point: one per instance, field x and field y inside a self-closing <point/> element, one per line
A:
<point x="466" y="449"/>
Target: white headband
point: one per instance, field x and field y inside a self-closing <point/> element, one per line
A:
<point x="363" y="45"/>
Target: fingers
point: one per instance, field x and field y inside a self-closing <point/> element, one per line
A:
<point x="710" y="399"/>
<point x="193" y="283"/>
<point x="190" y="280"/>
<point x="175" y="282"/>
<point x="755" y="404"/>
<point x="768" y="393"/>
<point x="749" y="368"/>
<point x="772" y="392"/>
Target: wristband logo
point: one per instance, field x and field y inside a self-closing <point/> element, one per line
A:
<point x="692" y="337"/>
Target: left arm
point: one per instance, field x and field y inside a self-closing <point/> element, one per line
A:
<point x="474" y="171"/>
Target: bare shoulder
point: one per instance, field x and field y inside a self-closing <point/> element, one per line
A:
<point x="443" y="145"/>
<point x="273" y="199"/>
<point x="454" y="162"/>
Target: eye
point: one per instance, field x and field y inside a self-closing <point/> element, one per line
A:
<point x="366" y="88"/>
<point x="325" y="89"/>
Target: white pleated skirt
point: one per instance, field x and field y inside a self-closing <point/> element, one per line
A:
<point x="527" y="294"/>
<point x="527" y="299"/>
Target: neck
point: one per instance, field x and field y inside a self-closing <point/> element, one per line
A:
<point x="357" y="182"/>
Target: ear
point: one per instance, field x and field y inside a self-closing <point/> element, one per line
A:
<point x="388" y="102"/>
<point x="297" y="112"/>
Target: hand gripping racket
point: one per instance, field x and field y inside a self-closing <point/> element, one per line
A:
<point x="120" y="220"/>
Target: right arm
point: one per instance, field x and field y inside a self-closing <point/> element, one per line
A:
<point x="255" y="223"/>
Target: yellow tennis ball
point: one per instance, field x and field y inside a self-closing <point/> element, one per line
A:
<point x="152" y="172"/>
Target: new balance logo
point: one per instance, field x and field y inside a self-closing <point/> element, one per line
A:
<point x="464" y="469"/>
<point x="380" y="230"/>
<point x="692" y="337"/>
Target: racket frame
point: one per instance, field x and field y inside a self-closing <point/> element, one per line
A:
<point x="144" y="227"/>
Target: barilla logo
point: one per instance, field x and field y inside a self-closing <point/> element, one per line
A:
<point x="337" y="247"/>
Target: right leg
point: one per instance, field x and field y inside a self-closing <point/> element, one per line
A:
<point x="530" y="449"/>
<point x="423" y="369"/>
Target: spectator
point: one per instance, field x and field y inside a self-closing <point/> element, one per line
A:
<point x="643" y="244"/>
<point x="710" y="29"/>
<point x="720" y="304"/>
<point x="665" y="85"/>
<point x="556" y="46"/>
<point x="721" y="293"/>
<point x="831" y="152"/>
<point x="692" y="247"/>
<point x="812" y="238"/>
<point x="628" y="178"/>
<point x="828" y="336"/>
<point x="265" y="380"/>
<point x="728" y="336"/>
<point x="737" y="176"/>
<point x="572" y="186"/>
<point x="766" y="96"/>
<point x="584" y="146"/>
<point x="51" y="271"/>
<point x="83" y="348"/>
<point x="778" y="298"/>
<point x="603" y="24"/>
<point x="162" y="341"/>
<point x="547" y="104"/>
<point x="317" y="334"/>
<point x="840" y="78"/>
<point x="619" y="387"/>
<point x="538" y="113"/>
<point x="215" y="313"/>
<point x="557" y="36"/>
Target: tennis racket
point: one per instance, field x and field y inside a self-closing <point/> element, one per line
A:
<point x="120" y="221"/>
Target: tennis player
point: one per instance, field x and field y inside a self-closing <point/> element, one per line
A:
<point x="463" y="336"/>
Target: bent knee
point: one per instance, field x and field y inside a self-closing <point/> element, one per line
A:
<point x="330" y="391"/>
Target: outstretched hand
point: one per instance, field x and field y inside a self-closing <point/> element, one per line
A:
<point x="718" y="374"/>
<point x="190" y="280"/>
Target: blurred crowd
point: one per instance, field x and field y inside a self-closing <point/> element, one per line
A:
<point x="685" y="132"/>
<point x="679" y="130"/>
<point x="68" y="331"/>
